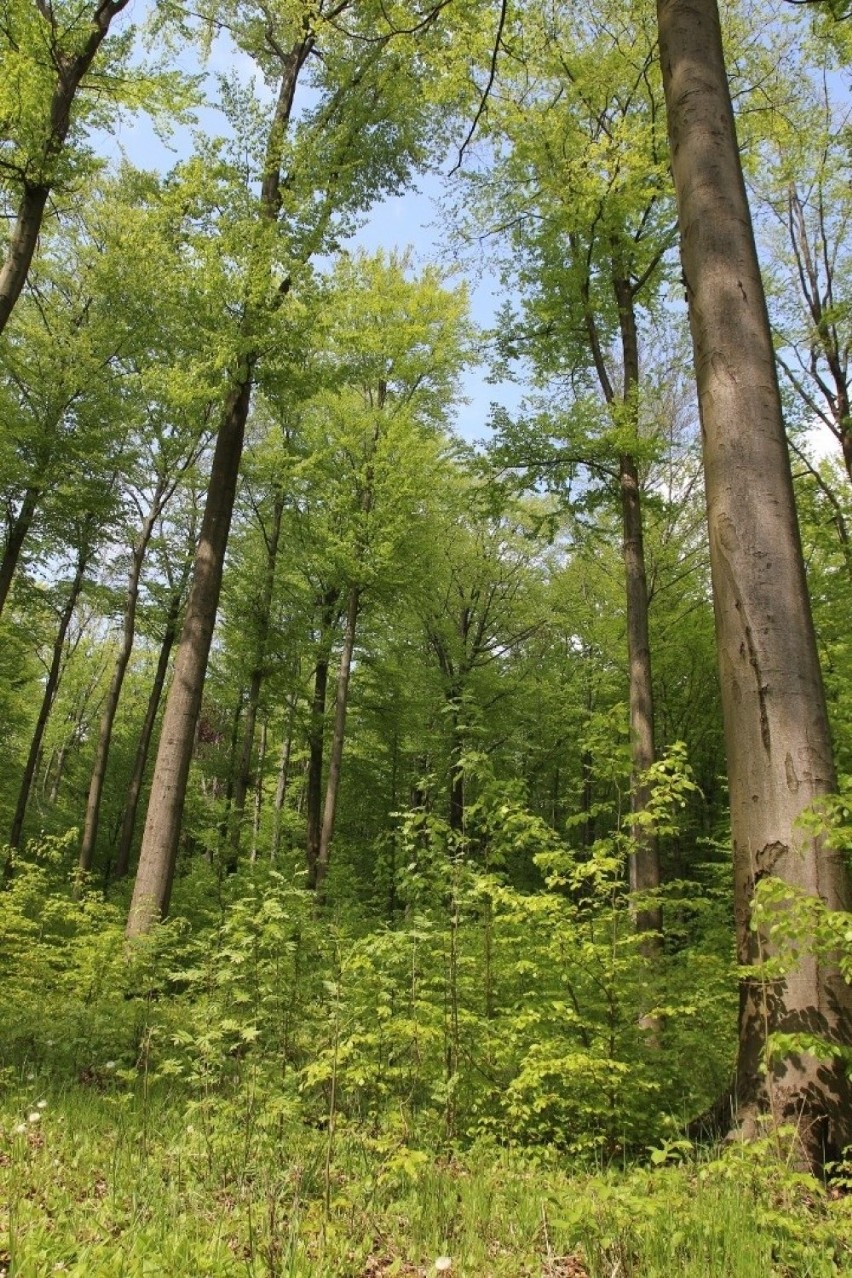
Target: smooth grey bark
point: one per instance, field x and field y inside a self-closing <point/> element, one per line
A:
<point x="335" y="760"/>
<point x="134" y="789"/>
<point x="69" y="69"/>
<point x="49" y="694"/>
<point x="776" y="728"/>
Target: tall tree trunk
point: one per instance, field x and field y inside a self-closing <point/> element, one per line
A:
<point x="134" y="790"/>
<point x="158" y="855"/>
<point x="644" y="863"/>
<point x="70" y="70"/>
<point x="283" y="778"/>
<point x="15" y="540"/>
<point x="258" y="789"/>
<point x="48" y="696"/>
<point x="776" y="727"/>
<point x="99" y="767"/>
<point x="335" y="761"/>
<point x="316" y="740"/>
<point x="242" y="779"/>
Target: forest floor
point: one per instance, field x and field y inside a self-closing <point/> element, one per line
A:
<point x="108" y="1181"/>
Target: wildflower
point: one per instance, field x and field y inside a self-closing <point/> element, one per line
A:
<point x="42" y="1104"/>
<point x="30" y="1076"/>
<point x="110" y="1065"/>
<point x="34" y="1117"/>
<point x="443" y="1264"/>
<point x="20" y="1130"/>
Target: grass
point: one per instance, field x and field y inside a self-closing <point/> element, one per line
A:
<point x="115" y="1182"/>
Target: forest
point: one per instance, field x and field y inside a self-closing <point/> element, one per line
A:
<point x="425" y="643"/>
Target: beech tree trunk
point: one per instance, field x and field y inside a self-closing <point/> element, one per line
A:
<point x="283" y="779"/>
<point x="335" y="761"/>
<point x="158" y="855"/>
<point x="134" y="790"/>
<point x="316" y="742"/>
<point x="99" y="767"/>
<point x="70" y="70"/>
<point x="48" y="697"/>
<point x="776" y="728"/>
<point x="644" y="861"/>
<point x="15" y="540"/>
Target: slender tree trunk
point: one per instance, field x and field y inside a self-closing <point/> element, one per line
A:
<point x="335" y="761"/>
<point x="316" y="742"/>
<point x="15" y="541"/>
<point x="258" y="789"/>
<point x="99" y="767"/>
<point x="48" y="697"/>
<point x="456" y="770"/>
<point x="283" y="778"/>
<point x="128" y="820"/>
<point x="242" y="779"/>
<point x="645" y="859"/>
<point x="158" y="855"/>
<point x="776" y="727"/>
<point x="70" y="70"/>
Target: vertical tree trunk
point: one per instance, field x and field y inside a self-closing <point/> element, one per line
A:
<point x="158" y="855"/>
<point x="242" y="779"/>
<point x="99" y="767"/>
<point x="335" y="761"/>
<point x="15" y="540"/>
<point x="316" y="741"/>
<point x="70" y="70"/>
<point x="283" y="778"/>
<point x="48" y="696"/>
<point x="645" y="859"/>
<point x="134" y="790"/>
<point x="776" y="727"/>
<point x="258" y="789"/>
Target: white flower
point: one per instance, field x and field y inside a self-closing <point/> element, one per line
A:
<point x="42" y="1104"/>
<point x="49" y="1042"/>
<point x="20" y="1129"/>
<point x="34" y="1117"/>
<point x="110" y="1065"/>
<point x="443" y="1264"/>
<point x="30" y="1077"/>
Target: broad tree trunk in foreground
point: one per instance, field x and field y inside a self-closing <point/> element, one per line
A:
<point x="776" y="728"/>
<point x="47" y="698"/>
<point x="153" y="887"/>
<point x="335" y="762"/>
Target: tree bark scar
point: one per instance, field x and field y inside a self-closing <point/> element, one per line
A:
<point x="791" y="774"/>
<point x="767" y="858"/>
<point x="762" y="688"/>
<point x="728" y="541"/>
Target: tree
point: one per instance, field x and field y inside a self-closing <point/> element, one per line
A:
<point x="776" y="729"/>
